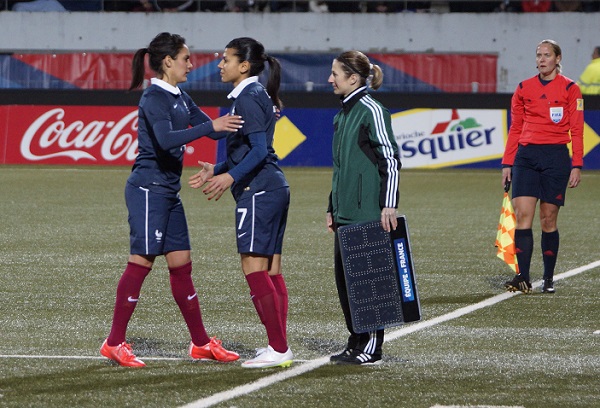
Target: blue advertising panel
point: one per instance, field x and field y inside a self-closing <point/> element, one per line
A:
<point x="427" y="138"/>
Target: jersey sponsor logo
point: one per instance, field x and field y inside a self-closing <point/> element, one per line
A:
<point x="579" y="104"/>
<point x="556" y="114"/>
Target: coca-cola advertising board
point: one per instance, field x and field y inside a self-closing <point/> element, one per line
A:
<point x="81" y="135"/>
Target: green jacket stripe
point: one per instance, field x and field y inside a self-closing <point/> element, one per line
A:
<point x="390" y="175"/>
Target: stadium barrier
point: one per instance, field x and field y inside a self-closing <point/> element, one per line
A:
<point x="76" y="127"/>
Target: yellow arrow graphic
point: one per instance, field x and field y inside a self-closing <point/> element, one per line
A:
<point x="287" y="137"/>
<point x="590" y="140"/>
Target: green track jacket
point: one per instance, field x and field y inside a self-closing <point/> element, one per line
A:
<point x="366" y="164"/>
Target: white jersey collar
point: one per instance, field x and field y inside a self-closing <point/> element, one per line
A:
<point x="238" y="89"/>
<point x="166" y="86"/>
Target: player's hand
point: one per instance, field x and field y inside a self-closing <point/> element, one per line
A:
<point x="329" y="222"/>
<point x="575" y="178"/>
<point x="200" y="178"/>
<point x="217" y="185"/>
<point x="389" y="221"/>
<point x="227" y="123"/>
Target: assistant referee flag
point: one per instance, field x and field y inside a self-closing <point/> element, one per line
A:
<point x="505" y="238"/>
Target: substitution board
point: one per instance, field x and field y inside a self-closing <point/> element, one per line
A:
<point x="380" y="275"/>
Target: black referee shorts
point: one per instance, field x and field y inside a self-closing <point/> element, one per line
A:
<point x="542" y="171"/>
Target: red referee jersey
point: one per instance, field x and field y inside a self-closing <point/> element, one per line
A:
<point x="546" y="114"/>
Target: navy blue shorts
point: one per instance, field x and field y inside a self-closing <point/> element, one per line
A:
<point x="157" y="223"/>
<point x="542" y="171"/>
<point x="261" y="219"/>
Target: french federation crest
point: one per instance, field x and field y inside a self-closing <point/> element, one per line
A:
<point x="556" y="114"/>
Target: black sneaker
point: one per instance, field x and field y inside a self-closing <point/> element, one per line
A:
<point x="548" y="286"/>
<point x="343" y="354"/>
<point x="518" y="284"/>
<point x="358" y="357"/>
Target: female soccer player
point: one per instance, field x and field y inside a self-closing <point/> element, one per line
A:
<point x="546" y="114"/>
<point x="259" y="188"/>
<point x="366" y="169"/>
<point x="156" y="218"/>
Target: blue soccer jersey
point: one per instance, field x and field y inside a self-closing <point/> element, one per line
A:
<point x="260" y="189"/>
<point x="251" y="159"/>
<point x="165" y="114"/>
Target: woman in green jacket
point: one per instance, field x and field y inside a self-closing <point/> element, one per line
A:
<point x="366" y="169"/>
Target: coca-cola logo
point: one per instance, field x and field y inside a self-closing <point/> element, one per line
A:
<point x="51" y="136"/>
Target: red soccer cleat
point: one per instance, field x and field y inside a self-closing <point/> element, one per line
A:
<point x="122" y="354"/>
<point x="213" y="350"/>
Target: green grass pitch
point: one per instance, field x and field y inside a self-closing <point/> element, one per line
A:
<point x="64" y="244"/>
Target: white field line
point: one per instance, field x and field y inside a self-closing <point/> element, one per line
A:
<point x="477" y="406"/>
<point x="50" y="357"/>
<point x="84" y="357"/>
<point x="389" y="336"/>
<point x="310" y="365"/>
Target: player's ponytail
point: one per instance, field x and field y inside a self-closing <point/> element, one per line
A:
<point x="138" y="70"/>
<point x="274" y="80"/>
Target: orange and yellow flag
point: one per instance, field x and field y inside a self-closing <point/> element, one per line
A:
<point x="505" y="238"/>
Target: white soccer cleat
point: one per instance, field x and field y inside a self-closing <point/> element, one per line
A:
<point x="270" y="358"/>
